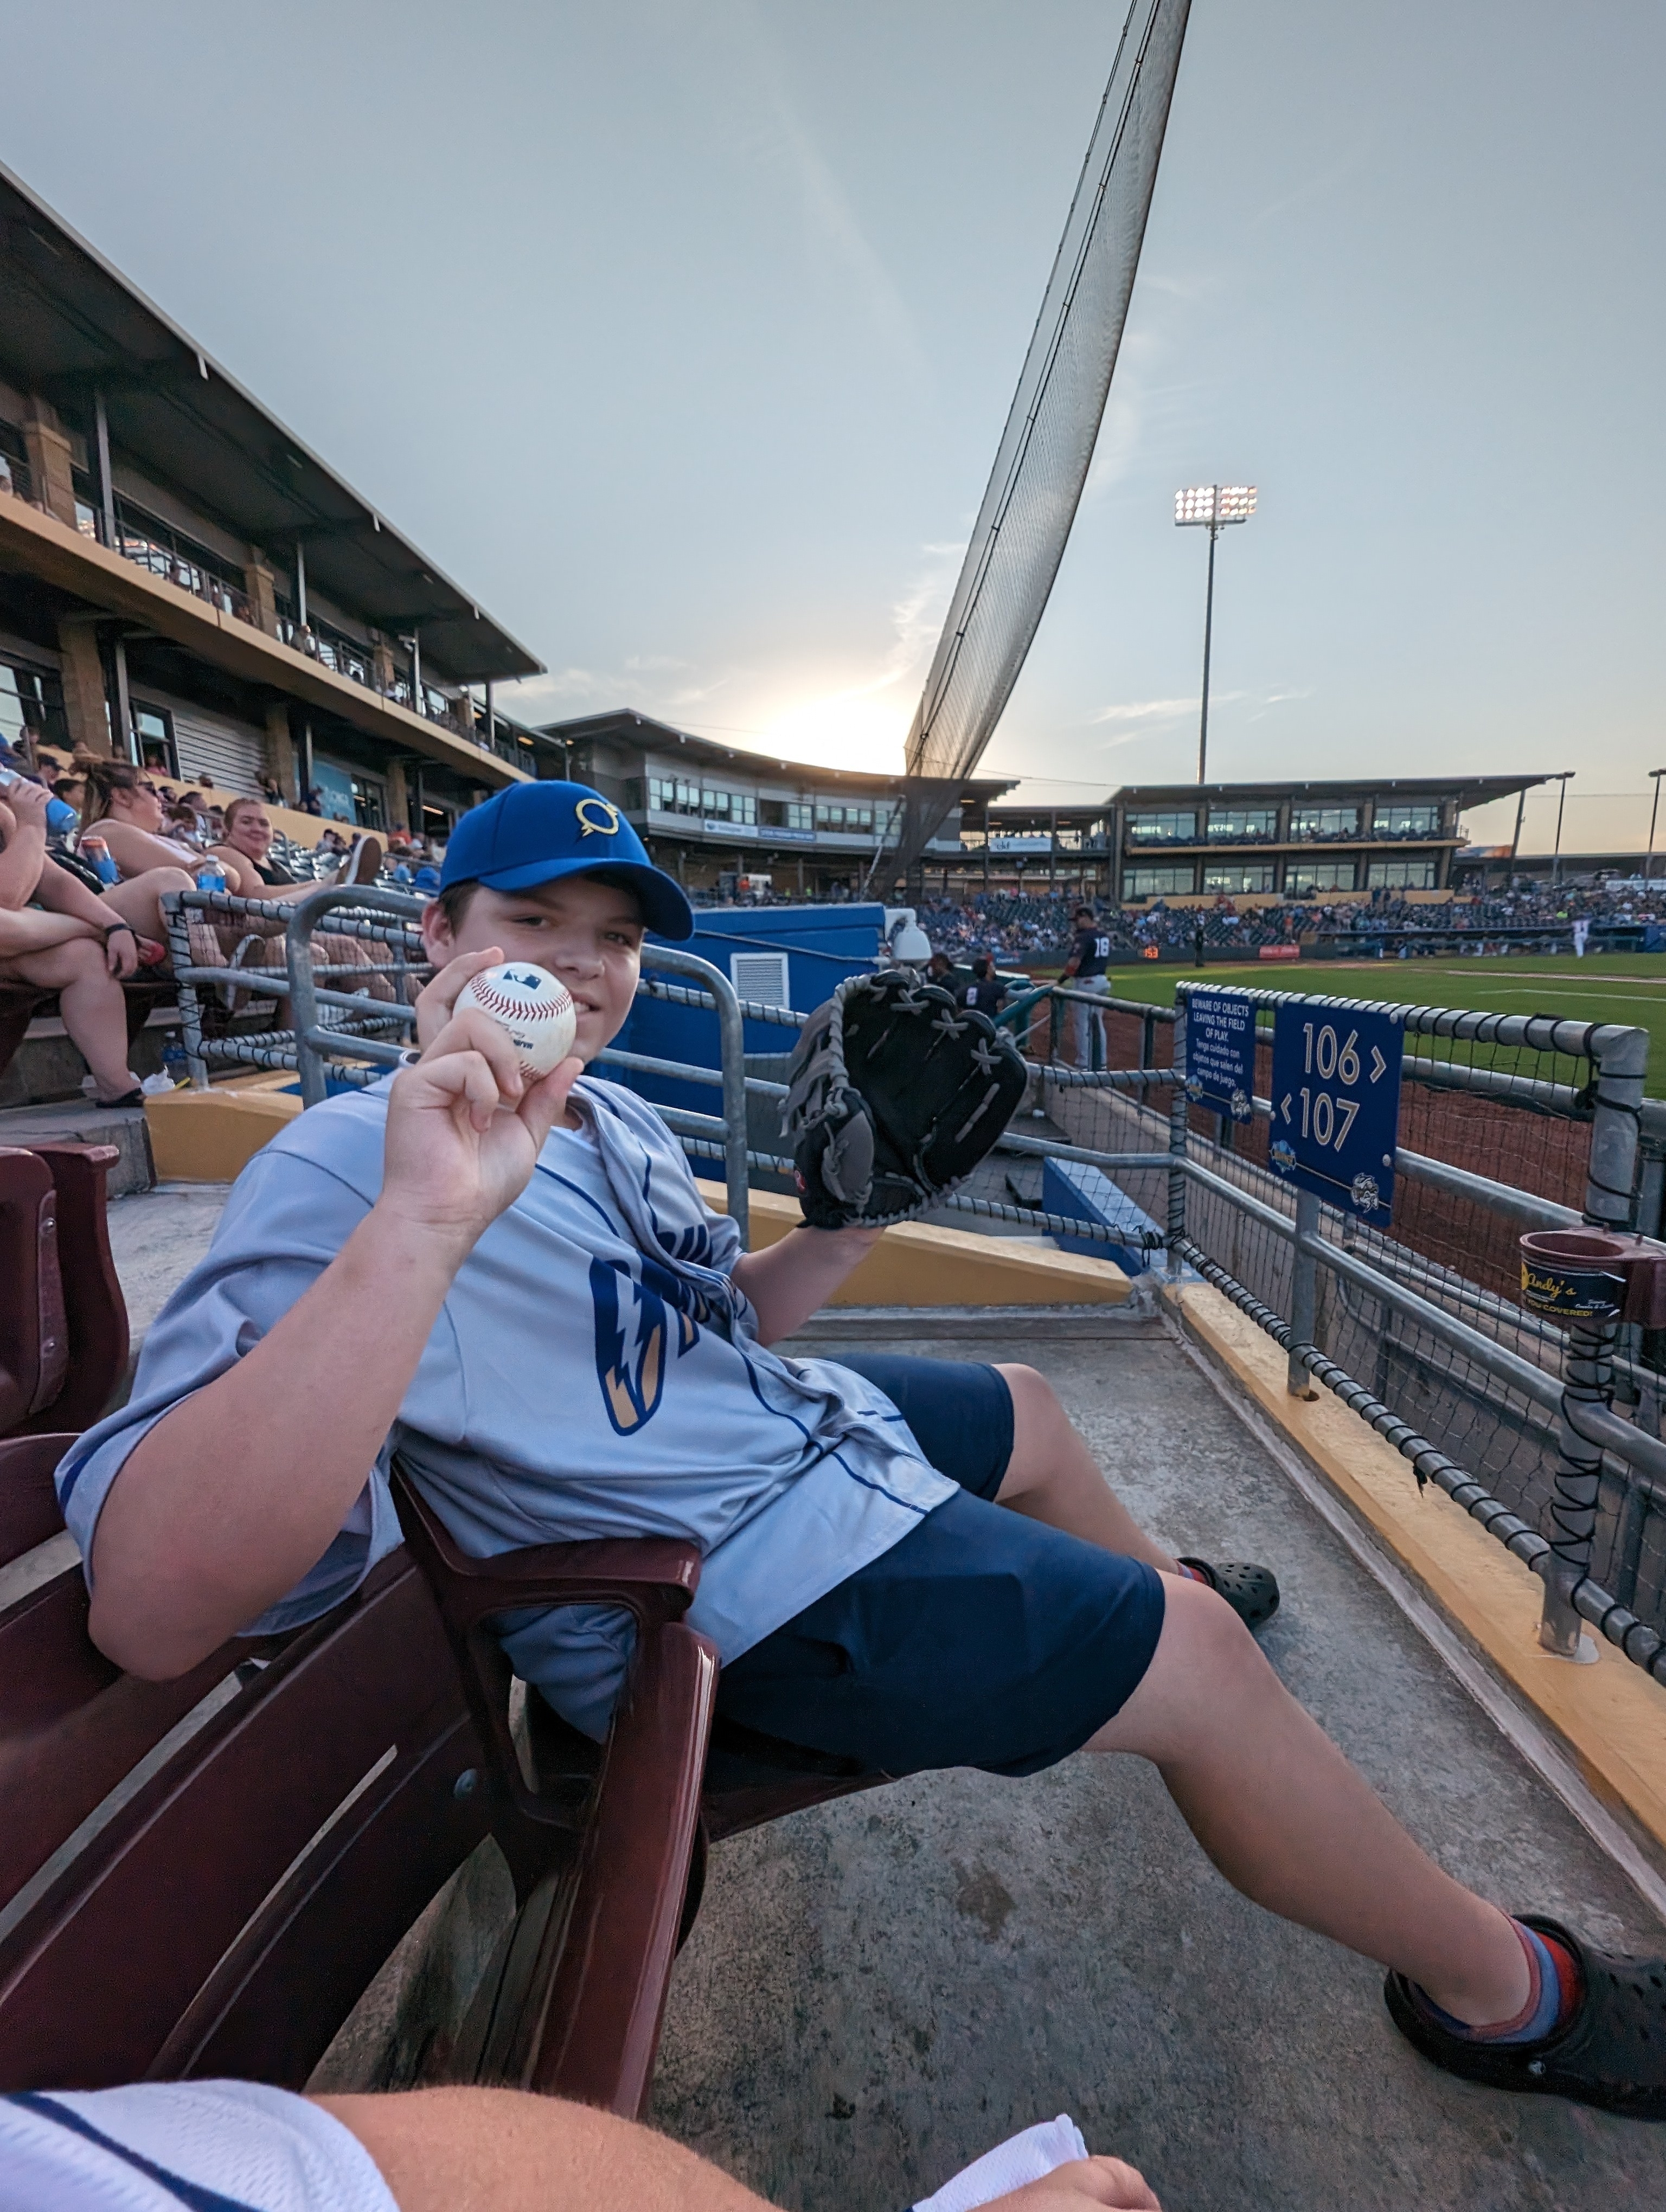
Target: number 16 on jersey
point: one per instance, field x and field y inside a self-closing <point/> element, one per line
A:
<point x="1336" y="1104"/>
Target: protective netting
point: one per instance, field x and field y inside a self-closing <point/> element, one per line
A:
<point x="1515" y="1115"/>
<point x="1041" y="462"/>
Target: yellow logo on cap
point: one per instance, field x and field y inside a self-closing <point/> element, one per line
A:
<point x="607" y="827"/>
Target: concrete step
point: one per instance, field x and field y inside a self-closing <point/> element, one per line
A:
<point x="76" y="1121"/>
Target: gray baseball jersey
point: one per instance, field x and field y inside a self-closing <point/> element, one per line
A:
<point x="594" y="1372"/>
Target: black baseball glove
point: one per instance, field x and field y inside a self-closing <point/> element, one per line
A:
<point x="894" y="1096"/>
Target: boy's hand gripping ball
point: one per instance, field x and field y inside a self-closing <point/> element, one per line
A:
<point x="533" y="1010"/>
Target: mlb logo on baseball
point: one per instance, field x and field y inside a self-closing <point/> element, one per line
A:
<point x="534" y="1009"/>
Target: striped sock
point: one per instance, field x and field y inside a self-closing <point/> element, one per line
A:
<point x="1551" y="2000"/>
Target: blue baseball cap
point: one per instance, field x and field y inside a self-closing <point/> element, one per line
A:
<point x="536" y="833"/>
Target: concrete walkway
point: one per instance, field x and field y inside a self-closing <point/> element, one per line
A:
<point x="156" y="1238"/>
<point x="878" y="1989"/>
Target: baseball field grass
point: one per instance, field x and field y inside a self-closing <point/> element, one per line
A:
<point x="1626" y="987"/>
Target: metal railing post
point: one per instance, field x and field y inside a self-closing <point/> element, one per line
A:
<point x="1587" y="1380"/>
<point x="1179" y="1132"/>
<point x="1621" y="1058"/>
<point x="305" y="917"/>
<point x="731" y="1032"/>
<point x="303" y="997"/>
<point x="177" y="926"/>
<point x="1303" y="1297"/>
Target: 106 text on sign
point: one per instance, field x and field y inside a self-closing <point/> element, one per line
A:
<point x="1336" y="1104"/>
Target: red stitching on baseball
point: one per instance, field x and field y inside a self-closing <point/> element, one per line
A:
<point x="493" y="1002"/>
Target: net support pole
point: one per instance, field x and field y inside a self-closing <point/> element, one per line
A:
<point x="1304" y="1298"/>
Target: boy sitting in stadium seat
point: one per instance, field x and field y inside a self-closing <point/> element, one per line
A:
<point x="908" y="1564"/>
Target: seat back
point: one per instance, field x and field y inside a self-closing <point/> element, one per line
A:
<point x="63" y="1319"/>
<point x="202" y="1876"/>
<point x="34" y="1346"/>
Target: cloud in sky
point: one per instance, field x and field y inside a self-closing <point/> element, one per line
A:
<point x="1141" y="717"/>
<point x="827" y="206"/>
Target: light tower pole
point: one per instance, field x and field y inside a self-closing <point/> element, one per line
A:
<point x="1649" y="865"/>
<point x="1210" y="507"/>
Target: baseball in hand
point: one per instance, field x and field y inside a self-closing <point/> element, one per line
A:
<point x="533" y="1010"/>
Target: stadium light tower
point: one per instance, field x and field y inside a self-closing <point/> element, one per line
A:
<point x="1649" y="866"/>
<point x="1210" y="507"/>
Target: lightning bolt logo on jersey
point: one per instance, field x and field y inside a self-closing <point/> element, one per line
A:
<point x="645" y="1318"/>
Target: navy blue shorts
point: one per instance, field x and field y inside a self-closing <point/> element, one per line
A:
<point x="984" y="1638"/>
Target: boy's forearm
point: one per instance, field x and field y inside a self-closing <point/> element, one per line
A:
<point x="796" y="1277"/>
<point x="238" y="1491"/>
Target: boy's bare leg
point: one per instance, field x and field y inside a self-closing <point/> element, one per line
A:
<point x="1052" y="1476"/>
<point x="500" y="2150"/>
<point x="1289" y="1822"/>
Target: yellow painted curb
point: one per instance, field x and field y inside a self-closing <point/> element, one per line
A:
<point x="917" y="1264"/>
<point x="1611" y="1716"/>
<point x="210" y="1136"/>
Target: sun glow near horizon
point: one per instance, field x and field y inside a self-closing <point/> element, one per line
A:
<point x="843" y="729"/>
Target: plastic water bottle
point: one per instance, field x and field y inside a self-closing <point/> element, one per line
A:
<point x="174" y="1062"/>
<point x="211" y="877"/>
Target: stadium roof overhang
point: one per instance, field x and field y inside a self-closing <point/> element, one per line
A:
<point x="1467" y="790"/>
<point x="74" y="325"/>
<point x="1044" y="818"/>
<point x="624" y="725"/>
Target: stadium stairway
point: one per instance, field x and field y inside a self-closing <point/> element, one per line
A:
<point x="878" y="1988"/>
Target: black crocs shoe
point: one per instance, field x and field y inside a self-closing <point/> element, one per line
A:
<point x="1611" y="2053"/>
<point x="1252" y="1592"/>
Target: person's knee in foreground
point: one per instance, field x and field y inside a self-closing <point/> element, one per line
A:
<point x="241" y="2147"/>
<point x="519" y="1287"/>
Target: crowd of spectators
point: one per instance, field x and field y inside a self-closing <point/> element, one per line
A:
<point x="1027" y="931"/>
<point x="89" y="847"/>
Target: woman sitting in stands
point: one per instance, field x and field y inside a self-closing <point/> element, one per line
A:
<point x="246" y="855"/>
<point x="126" y="809"/>
<point x="59" y="935"/>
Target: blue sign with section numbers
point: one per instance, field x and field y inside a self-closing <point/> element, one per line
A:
<point x="1336" y="1104"/>
<point x="1220" y="1051"/>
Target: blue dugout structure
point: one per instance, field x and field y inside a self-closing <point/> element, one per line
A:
<point x="815" y="946"/>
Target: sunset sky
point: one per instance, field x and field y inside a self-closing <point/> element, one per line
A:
<point x="682" y="332"/>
